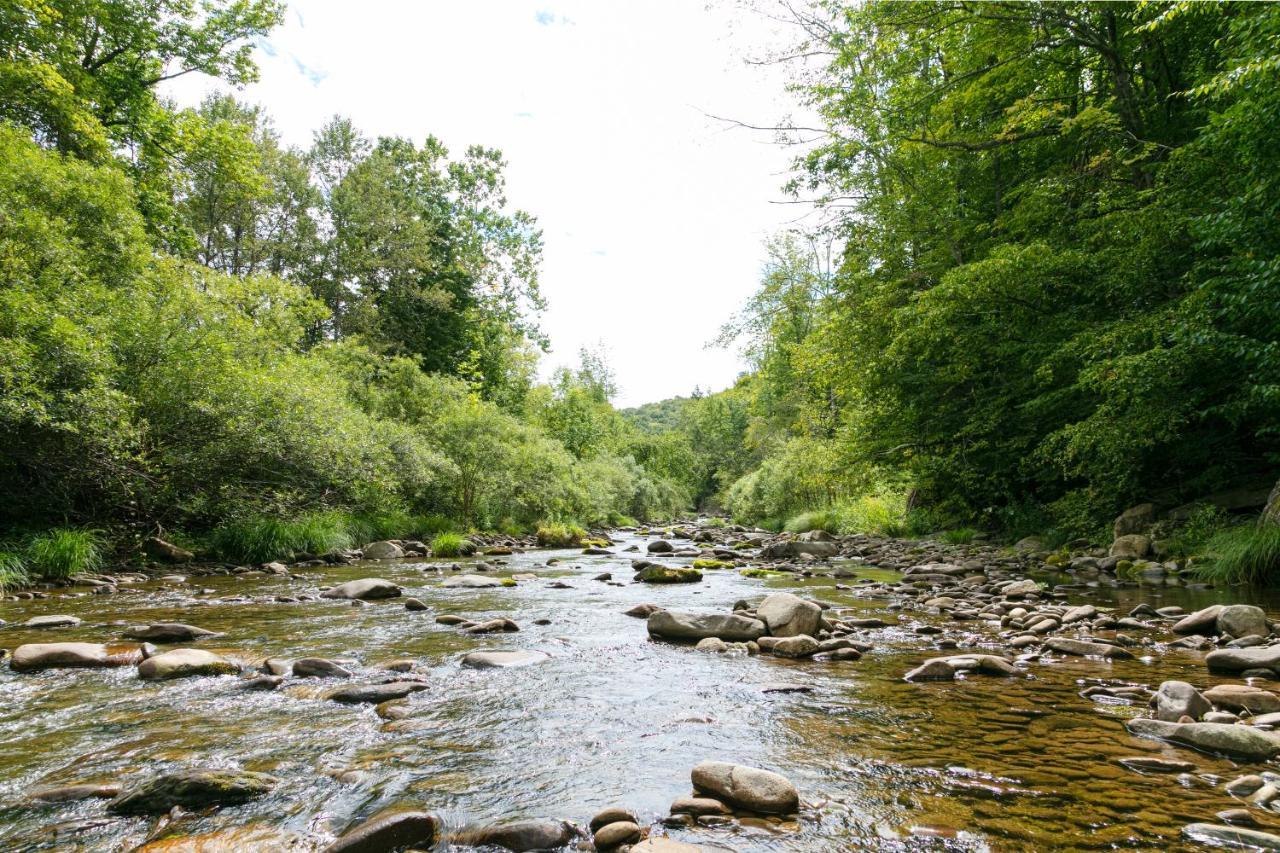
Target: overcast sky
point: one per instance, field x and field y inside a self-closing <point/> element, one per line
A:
<point x="653" y="214"/>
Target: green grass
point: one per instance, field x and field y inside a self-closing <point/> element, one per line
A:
<point x="958" y="536"/>
<point x="261" y="540"/>
<point x="451" y="545"/>
<point x="715" y="521"/>
<point x="560" y="535"/>
<point x="13" y="572"/>
<point x="712" y="564"/>
<point x="825" y="519"/>
<point x="64" y="552"/>
<point x="1245" y="554"/>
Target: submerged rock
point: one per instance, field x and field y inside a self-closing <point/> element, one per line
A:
<point x="1085" y="648"/>
<point x="192" y="789"/>
<point x="365" y="589"/>
<point x="691" y="627"/>
<point x="502" y="660"/>
<point x="319" y="668"/>
<point x="359" y="694"/>
<point x="1232" y="836"/>
<point x="388" y="831"/>
<point x="746" y="787"/>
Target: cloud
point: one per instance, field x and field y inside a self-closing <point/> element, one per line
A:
<point x="524" y="115"/>
<point x="315" y="75"/>
<point x="544" y="17"/>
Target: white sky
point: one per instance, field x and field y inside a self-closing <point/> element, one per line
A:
<point x="653" y="214"/>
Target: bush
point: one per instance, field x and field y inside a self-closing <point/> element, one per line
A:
<point x="958" y="536"/>
<point x="64" y="552"/>
<point x="451" y="545"/>
<point x="261" y="540"/>
<point x="560" y="535"/>
<point x="827" y="519"/>
<point x="1244" y="554"/>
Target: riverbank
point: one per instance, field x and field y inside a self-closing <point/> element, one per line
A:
<point x="1014" y="740"/>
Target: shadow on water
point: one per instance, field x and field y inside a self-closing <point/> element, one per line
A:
<point x="610" y="717"/>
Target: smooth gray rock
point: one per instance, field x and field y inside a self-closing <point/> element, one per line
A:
<point x="472" y="582"/>
<point x="1203" y="622"/>
<point x="169" y="632"/>
<point x="788" y="615"/>
<point x="365" y="589"/>
<point x="1175" y="699"/>
<point x="185" y="663"/>
<point x="691" y="627"/>
<point x="383" y="550"/>
<point x="747" y="787"/>
<point x="1243" y="620"/>
<point x="1227" y="739"/>
<point x="783" y="550"/>
<point x="1238" y="660"/>
<point x="502" y="660"/>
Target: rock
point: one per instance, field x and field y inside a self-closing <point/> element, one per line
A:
<point x="712" y="645"/>
<point x="935" y="669"/>
<point x="359" y="694"/>
<point x="795" y="647"/>
<point x="185" y="663"/>
<point x="1243" y="620"/>
<point x="493" y="626"/>
<point x="526" y="835"/>
<point x="1151" y="764"/>
<point x="192" y="790"/>
<point x="74" y="793"/>
<point x="1085" y="648"/>
<point x="783" y="550"/>
<point x="1215" y="738"/>
<point x="1239" y="817"/>
<point x="691" y="627"/>
<point x="59" y="621"/>
<point x="169" y="632"/>
<point x="262" y="682"/>
<point x="31" y="657"/>
<point x="746" y="787"/>
<point x="1242" y="697"/>
<point x="1137" y="519"/>
<point x="502" y="660"/>
<point x="1231" y="836"/>
<point x="472" y="582"/>
<point x="165" y="552"/>
<point x="1202" y="622"/>
<point x="383" y="550"/>
<point x="788" y="615"/>
<point x="386" y="832"/>
<point x="611" y="815"/>
<point x="668" y="574"/>
<point x="1130" y="547"/>
<point x="664" y="845"/>
<point x="1243" y="786"/>
<point x="319" y="668"/>
<point x="661" y="546"/>
<point x="1018" y="589"/>
<point x="414" y="604"/>
<point x="1238" y="660"/>
<point x="1177" y="699"/>
<point x="1079" y="614"/>
<point x="365" y="589"/>
<point x="642" y="611"/>
<point x="699" y="806"/>
<point x="616" y="834"/>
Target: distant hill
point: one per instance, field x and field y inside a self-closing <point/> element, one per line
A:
<point x="661" y="416"/>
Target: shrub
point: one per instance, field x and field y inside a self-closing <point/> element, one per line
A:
<point x="715" y="521"/>
<point x="1244" y="554"/>
<point x="826" y="519"/>
<point x="64" y="552"/>
<point x="560" y="535"/>
<point x="261" y="540"/>
<point x="451" y="545"/>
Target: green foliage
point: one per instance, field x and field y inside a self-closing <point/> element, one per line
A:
<point x="13" y="572"/>
<point x="560" y="535"/>
<point x="958" y="536"/>
<point x="64" y="552"/>
<point x="712" y="564"/>
<point x="828" y="520"/>
<point x="451" y="545"/>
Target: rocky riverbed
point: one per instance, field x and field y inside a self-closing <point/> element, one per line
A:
<point x="701" y="688"/>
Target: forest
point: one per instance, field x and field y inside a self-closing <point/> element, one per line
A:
<point x="1044" y="287"/>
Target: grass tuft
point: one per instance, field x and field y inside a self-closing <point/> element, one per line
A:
<point x="1245" y="554"/>
<point x="826" y="519"/>
<point x="261" y="540"/>
<point x="958" y="536"/>
<point x="560" y="536"/>
<point x="451" y="545"/>
<point x="64" y="552"/>
<point x="13" y="572"/>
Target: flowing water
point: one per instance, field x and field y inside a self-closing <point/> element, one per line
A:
<point x="611" y="718"/>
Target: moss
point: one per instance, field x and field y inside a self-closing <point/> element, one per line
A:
<point x="712" y="564"/>
<point x="668" y="574"/>
<point x="763" y="573"/>
<point x="560" y="536"/>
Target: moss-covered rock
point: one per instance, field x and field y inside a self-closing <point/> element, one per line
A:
<point x="712" y="564"/>
<point x="668" y="574"/>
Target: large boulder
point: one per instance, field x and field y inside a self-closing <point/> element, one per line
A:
<point x="384" y="550"/>
<point x="661" y="546"/>
<point x="185" y="663"/>
<point x="784" y="550"/>
<point x="1241" y="742"/>
<point x="691" y="627"/>
<point x="668" y="574"/>
<point x="1176" y="699"/>
<point x="1243" y="697"/>
<point x="788" y="615"/>
<point x="1136" y="519"/>
<point x="1243" y="620"/>
<point x="366" y="589"/>
<point x="1238" y="660"/>
<point x="746" y="787"/>
<point x="31" y="657"/>
<point x="192" y="790"/>
<point x="1131" y="547"/>
<point x="385" y="831"/>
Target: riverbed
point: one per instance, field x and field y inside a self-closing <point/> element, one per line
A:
<point x="610" y="717"/>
